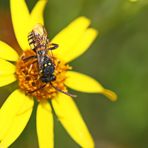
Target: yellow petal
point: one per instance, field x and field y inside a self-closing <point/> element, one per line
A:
<point x="82" y="45"/>
<point x="69" y="37"/>
<point x="7" y="52"/>
<point x="37" y="13"/>
<point x="45" y="125"/>
<point x="19" y="121"/>
<point x="6" y="68"/>
<point x="7" y="79"/>
<point x="14" y="116"/>
<point x="72" y="121"/>
<point x="20" y="19"/>
<point x="84" y="83"/>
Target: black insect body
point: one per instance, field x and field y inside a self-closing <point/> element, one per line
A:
<point x="47" y="72"/>
<point x="40" y="44"/>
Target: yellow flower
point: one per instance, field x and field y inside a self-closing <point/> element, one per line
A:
<point x="16" y="111"/>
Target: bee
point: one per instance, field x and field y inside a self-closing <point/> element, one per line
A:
<point x="40" y="44"/>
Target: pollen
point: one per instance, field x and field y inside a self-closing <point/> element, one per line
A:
<point x="28" y="75"/>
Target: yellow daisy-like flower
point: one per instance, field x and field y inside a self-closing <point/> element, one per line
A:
<point x="16" y="111"/>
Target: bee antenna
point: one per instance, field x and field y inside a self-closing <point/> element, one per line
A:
<point x="64" y="92"/>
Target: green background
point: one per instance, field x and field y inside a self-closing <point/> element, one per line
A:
<point x="118" y="59"/>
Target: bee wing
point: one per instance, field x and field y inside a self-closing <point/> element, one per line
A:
<point x="41" y="55"/>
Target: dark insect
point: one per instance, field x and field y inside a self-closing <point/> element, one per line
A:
<point x="40" y="44"/>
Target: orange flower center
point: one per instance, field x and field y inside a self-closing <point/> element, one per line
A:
<point x="29" y="76"/>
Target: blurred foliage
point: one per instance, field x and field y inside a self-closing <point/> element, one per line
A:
<point x="119" y="57"/>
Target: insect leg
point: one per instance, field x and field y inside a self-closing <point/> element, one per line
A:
<point x="28" y="58"/>
<point x="30" y="92"/>
<point x="53" y="46"/>
<point x="64" y="92"/>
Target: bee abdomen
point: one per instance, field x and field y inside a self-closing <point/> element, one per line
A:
<point x="32" y="41"/>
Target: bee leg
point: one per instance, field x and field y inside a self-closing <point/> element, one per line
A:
<point x="30" y="92"/>
<point x="54" y="46"/>
<point x="28" y="58"/>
